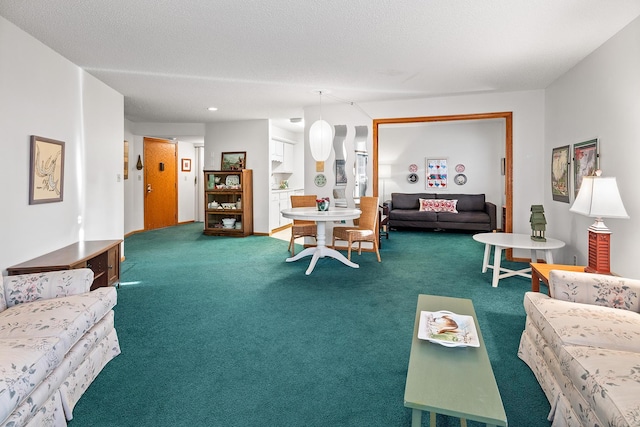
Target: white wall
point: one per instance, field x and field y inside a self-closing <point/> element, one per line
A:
<point x="187" y="185"/>
<point x="477" y="144"/>
<point x="46" y="95"/>
<point x="528" y="137"/>
<point x="251" y="136"/>
<point x="599" y="98"/>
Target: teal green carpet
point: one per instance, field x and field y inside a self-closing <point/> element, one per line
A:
<point x="223" y="332"/>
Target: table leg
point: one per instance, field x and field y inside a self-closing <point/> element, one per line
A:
<point x="497" y="258"/>
<point x="485" y="260"/>
<point x="548" y="256"/>
<point x="535" y="280"/>
<point x="432" y="419"/>
<point x="416" y="418"/>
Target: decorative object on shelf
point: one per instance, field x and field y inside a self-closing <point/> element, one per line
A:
<point x="186" y="165"/>
<point x="413" y="168"/>
<point x="341" y="173"/>
<point x="139" y="163"/>
<point x="460" y="179"/>
<point x="599" y="198"/>
<point x="46" y="174"/>
<point x="284" y="184"/>
<point x="460" y="168"/>
<point x="538" y="223"/>
<point x="436" y="174"/>
<point x="320" y="180"/>
<point x="320" y="137"/>
<point x="323" y="204"/>
<point x="232" y="180"/>
<point x="234" y="161"/>
<point x="585" y="162"/>
<point x="228" y="222"/>
<point x="560" y="174"/>
<point x="412" y="178"/>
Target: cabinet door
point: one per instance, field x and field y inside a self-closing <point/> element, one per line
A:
<point x="274" y="211"/>
<point x="287" y="161"/>
<point x="113" y="265"/>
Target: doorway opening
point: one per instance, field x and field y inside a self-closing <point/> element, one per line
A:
<point x="507" y="226"/>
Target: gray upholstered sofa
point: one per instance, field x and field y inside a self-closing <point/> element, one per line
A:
<point x="473" y="212"/>
<point x="55" y="337"/>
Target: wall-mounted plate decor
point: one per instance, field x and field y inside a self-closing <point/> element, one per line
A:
<point x="412" y="178"/>
<point x="320" y="180"/>
<point x="460" y="179"/>
<point x="413" y="168"/>
<point x="459" y="168"/>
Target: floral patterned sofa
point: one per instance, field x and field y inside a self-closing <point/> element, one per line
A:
<point x="55" y="337"/>
<point x="583" y="346"/>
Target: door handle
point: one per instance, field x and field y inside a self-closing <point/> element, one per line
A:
<point x="148" y="188"/>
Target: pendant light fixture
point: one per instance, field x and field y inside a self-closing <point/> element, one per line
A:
<point x="320" y="138"/>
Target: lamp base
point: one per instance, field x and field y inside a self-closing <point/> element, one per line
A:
<point x="599" y="252"/>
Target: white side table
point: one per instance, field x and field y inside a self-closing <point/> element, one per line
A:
<point x="513" y="241"/>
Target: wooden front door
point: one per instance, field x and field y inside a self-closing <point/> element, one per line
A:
<point x="160" y="183"/>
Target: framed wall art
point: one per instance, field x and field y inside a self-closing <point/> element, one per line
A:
<point x="234" y="161"/>
<point x="46" y="171"/>
<point x="585" y="162"/>
<point x="436" y="174"/>
<point x="186" y="165"/>
<point x="560" y="174"/>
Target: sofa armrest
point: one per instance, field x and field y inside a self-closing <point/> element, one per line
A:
<point x="490" y="209"/>
<point x="47" y="285"/>
<point x="595" y="289"/>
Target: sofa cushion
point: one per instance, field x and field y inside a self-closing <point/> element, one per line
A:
<point x="609" y="380"/>
<point x="408" y="201"/>
<point x="24" y="364"/>
<point x="67" y="318"/>
<point x="466" y="202"/>
<point x="465" y="217"/>
<point x="568" y="323"/>
<point x="438" y="205"/>
<point x="412" y="215"/>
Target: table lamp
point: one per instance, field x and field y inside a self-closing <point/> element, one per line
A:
<point x="599" y="198"/>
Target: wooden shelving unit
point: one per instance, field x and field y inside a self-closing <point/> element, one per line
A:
<point x="224" y="187"/>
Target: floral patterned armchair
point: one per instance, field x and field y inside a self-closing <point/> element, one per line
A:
<point x="583" y="346"/>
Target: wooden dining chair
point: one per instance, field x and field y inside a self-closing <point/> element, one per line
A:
<point x="365" y="231"/>
<point x="301" y="228"/>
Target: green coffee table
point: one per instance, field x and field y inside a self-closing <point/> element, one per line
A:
<point x="456" y="381"/>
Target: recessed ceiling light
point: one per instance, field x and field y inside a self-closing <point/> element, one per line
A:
<point x="212" y="109"/>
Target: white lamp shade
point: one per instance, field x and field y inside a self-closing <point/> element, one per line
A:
<point x="599" y="197"/>
<point x="320" y="139"/>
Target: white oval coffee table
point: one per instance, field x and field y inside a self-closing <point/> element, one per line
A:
<point x="513" y="241"/>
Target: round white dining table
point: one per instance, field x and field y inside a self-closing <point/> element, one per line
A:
<point x="321" y="218"/>
<point x="513" y="241"/>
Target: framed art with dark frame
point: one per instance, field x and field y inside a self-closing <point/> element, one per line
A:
<point x="234" y="161"/>
<point x="46" y="170"/>
<point x="586" y="160"/>
<point x="186" y="165"/>
<point x="560" y="174"/>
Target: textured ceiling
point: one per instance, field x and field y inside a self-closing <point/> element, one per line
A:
<point x="256" y="59"/>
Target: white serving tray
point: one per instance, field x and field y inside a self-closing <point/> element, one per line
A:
<point x="448" y="329"/>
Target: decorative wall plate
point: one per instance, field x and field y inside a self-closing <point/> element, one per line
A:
<point x="232" y="180"/>
<point x="413" y="168"/>
<point x="460" y="179"/>
<point x="412" y="178"/>
<point x="320" y="180"/>
<point x="459" y="168"/>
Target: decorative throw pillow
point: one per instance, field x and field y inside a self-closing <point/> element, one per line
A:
<point x="438" y="205"/>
